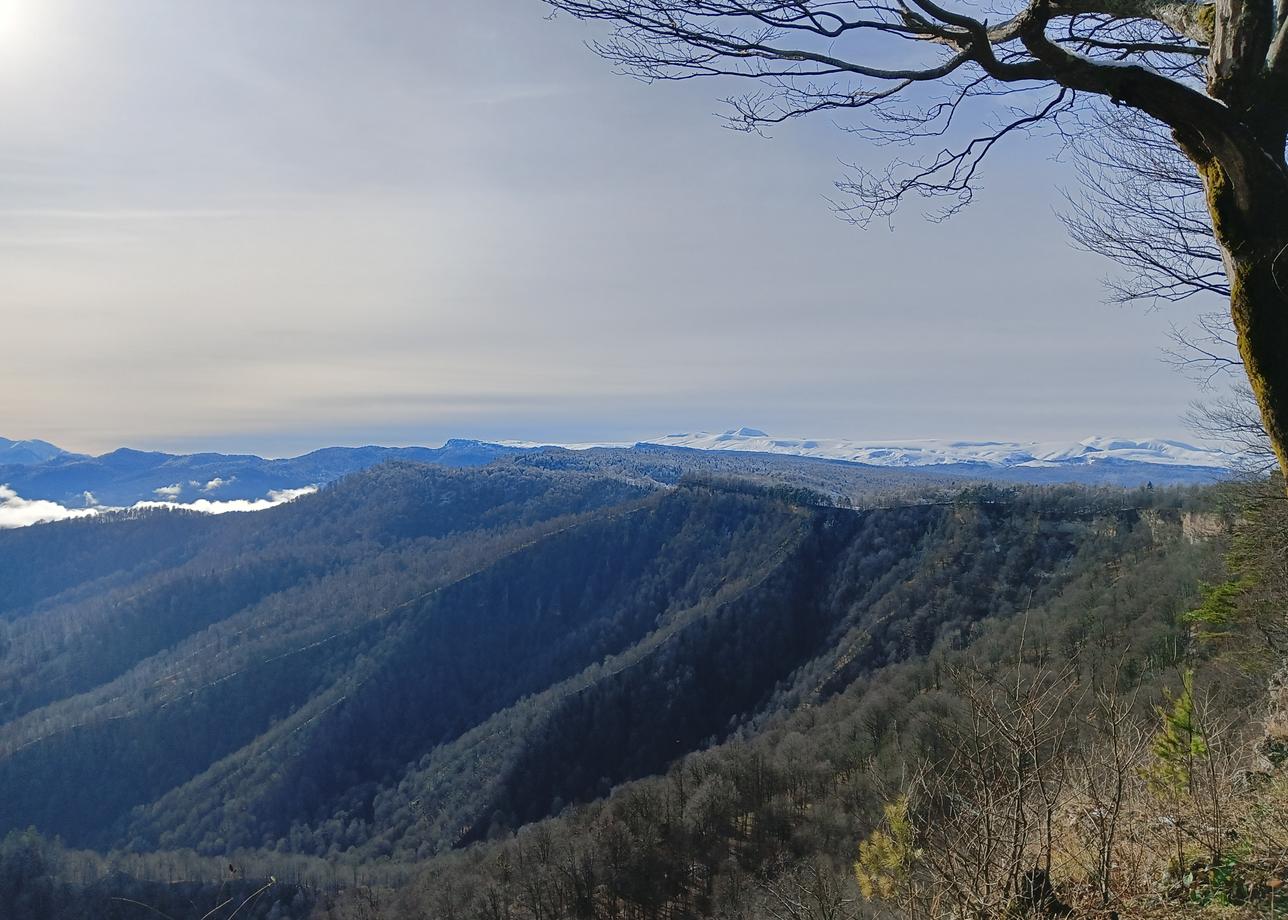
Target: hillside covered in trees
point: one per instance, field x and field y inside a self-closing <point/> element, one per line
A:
<point x="406" y="694"/>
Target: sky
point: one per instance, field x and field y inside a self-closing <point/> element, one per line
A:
<point x="269" y="227"/>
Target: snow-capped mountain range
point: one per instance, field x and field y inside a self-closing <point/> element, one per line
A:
<point x="996" y="454"/>
<point x="40" y="482"/>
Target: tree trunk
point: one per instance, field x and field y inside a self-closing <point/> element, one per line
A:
<point x="1259" y="308"/>
<point x="1247" y="198"/>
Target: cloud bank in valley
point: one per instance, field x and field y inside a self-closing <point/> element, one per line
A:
<point x="210" y="506"/>
<point x="16" y="511"/>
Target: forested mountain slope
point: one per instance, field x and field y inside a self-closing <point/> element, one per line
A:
<point x="418" y="658"/>
<point x="767" y="823"/>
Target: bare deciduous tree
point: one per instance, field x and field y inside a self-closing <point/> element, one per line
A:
<point x="990" y="845"/>
<point x="809" y="890"/>
<point x="981" y="841"/>
<point x="1214" y="75"/>
<point x="1142" y="205"/>
<point x="1106" y="774"/>
<point x="1232" y="417"/>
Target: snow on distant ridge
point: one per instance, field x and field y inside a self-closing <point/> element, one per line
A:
<point x="26" y="453"/>
<point x="997" y="454"/>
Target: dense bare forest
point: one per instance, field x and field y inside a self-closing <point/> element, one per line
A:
<point x="534" y="693"/>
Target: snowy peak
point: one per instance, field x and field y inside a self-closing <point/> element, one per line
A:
<point x="26" y="453"/>
<point x="995" y="454"/>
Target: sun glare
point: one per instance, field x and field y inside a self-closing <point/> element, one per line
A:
<point x="17" y="21"/>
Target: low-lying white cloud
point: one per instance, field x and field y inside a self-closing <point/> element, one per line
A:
<point x="208" y="506"/>
<point x="16" y="511"/>
<point x="170" y="491"/>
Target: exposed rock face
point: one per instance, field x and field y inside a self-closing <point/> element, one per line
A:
<point x="1202" y="525"/>
<point x="1195" y="526"/>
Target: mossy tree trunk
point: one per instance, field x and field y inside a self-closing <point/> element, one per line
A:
<point x="1249" y="210"/>
<point x="1259" y="308"/>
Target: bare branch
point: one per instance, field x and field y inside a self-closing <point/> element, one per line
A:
<point x="1141" y="204"/>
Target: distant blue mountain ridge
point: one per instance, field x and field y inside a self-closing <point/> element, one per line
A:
<point x="24" y="453"/>
<point x="38" y="470"/>
<point x="126" y="476"/>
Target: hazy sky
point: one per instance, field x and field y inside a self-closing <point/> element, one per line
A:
<point x="243" y="225"/>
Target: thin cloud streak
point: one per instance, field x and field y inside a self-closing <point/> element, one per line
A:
<point x="116" y="214"/>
